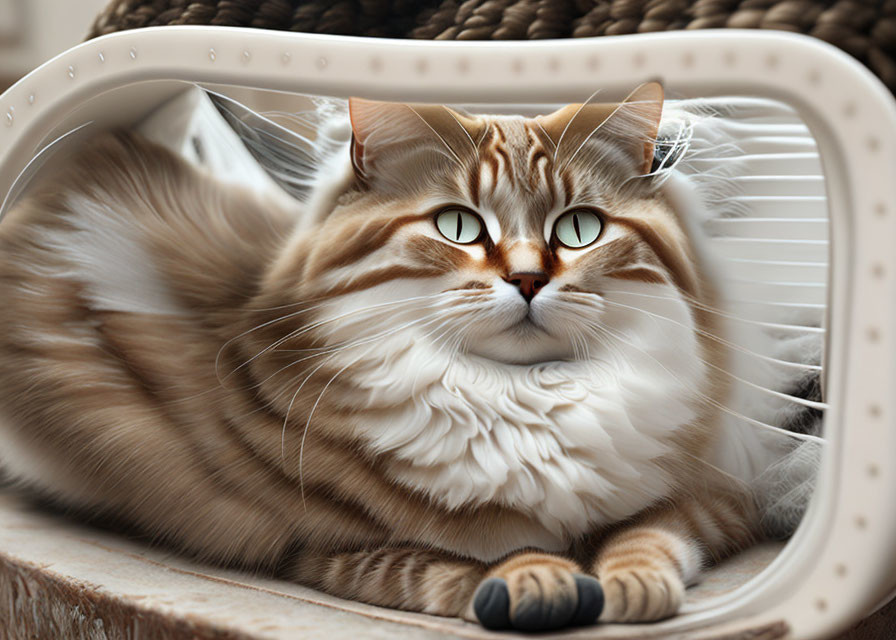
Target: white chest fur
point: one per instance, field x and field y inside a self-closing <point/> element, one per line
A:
<point x="574" y="445"/>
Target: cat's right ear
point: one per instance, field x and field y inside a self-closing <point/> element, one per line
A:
<point x="390" y="139"/>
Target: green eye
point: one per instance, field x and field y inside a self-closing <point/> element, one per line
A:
<point x="459" y="225"/>
<point x="578" y="228"/>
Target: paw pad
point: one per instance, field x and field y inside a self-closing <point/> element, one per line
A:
<point x="534" y="611"/>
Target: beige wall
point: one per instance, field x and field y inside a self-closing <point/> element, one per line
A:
<point x="33" y="31"/>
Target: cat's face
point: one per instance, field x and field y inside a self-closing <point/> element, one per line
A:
<point x="498" y="236"/>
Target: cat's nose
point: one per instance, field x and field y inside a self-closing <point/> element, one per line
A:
<point x="529" y="282"/>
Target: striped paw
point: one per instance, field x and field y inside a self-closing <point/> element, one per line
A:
<point x="536" y="592"/>
<point x="641" y="595"/>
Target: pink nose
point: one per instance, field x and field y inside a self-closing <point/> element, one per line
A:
<point x="529" y="282"/>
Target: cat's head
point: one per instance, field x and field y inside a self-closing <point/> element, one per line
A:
<point x="495" y="236"/>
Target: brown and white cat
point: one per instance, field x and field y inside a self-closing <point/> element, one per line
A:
<point x="444" y="395"/>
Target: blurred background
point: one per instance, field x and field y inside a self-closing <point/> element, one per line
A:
<point x="33" y="31"/>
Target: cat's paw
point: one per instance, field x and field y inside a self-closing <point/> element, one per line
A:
<point x="537" y="592"/>
<point x="641" y="595"/>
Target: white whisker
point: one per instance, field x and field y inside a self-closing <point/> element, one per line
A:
<point x="570" y="121"/>
<point x="709" y="309"/>
<point x="308" y="426"/>
<point x="439" y="135"/>
<point x="720" y="340"/>
<point x="305" y="329"/>
<point x="333" y="352"/>
<point x="712" y="401"/>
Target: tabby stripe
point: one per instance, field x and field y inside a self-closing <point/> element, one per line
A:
<point x="492" y="163"/>
<point x="472" y="289"/>
<point x="333" y="497"/>
<point x="386" y="567"/>
<point x="362" y="568"/>
<point x="639" y="274"/>
<point x="142" y="387"/>
<point x="403" y="577"/>
<point x="568" y="189"/>
<point x="674" y="261"/>
<point x="508" y="167"/>
<point x="418" y="571"/>
<point x="671" y="556"/>
<point x="533" y="142"/>
<point x="371" y="582"/>
<point x="365" y="241"/>
<point x="499" y="133"/>
<point x="538" y="158"/>
<point x="644" y="601"/>
<point x="397" y="570"/>
<point x="641" y="544"/>
<point x="360" y="516"/>
<point x="624" y="593"/>
<point x="639" y="558"/>
<point x="448" y="586"/>
<point x="409" y="577"/>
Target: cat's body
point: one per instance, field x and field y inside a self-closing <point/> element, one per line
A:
<point x="364" y="404"/>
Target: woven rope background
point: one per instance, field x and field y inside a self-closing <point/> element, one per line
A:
<point x="864" y="28"/>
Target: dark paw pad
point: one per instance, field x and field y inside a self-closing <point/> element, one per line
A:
<point x="492" y="603"/>
<point x="533" y="613"/>
<point x="591" y="601"/>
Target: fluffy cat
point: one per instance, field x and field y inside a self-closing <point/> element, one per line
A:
<point x="452" y="391"/>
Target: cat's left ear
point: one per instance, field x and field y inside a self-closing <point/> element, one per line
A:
<point x="633" y="124"/>
<point x="392" y="138"/>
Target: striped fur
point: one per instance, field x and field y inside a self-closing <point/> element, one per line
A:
<point x="364" y="405"/>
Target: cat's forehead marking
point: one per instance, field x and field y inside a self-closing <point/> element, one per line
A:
<point x="514" y="178"/>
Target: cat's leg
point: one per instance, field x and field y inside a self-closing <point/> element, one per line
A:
<point x="398" y="577"/>
<point x="645" y="566"/>
<point x="528" y="590"/>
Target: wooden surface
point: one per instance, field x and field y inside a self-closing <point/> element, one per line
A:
<point x="60" y="579"/>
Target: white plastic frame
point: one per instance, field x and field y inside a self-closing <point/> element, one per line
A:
<point x="842" y="561"/>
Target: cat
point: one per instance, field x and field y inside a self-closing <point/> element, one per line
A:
<point x="452" y="391"/>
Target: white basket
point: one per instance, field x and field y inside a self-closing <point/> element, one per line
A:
<point x="842" y="561"/>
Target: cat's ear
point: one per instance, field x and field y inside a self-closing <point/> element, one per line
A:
<point x="633" y="124"/>
<point x="386" y="134"/>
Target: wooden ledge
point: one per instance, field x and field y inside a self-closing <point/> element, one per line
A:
<point x="60" y="580"/>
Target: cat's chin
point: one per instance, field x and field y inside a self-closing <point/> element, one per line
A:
<point x="516" y="362"/>
<point x="524" y="344"/>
